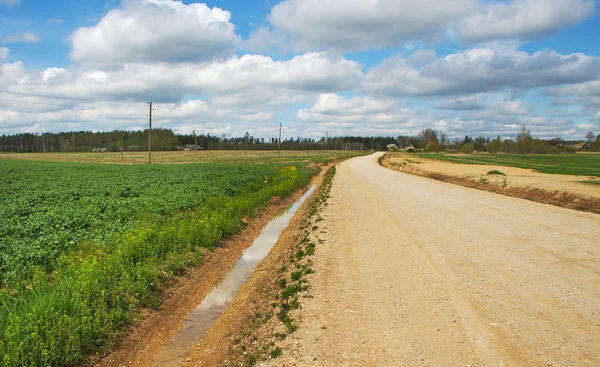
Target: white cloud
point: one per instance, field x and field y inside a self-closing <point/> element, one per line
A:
<point x="523" y="19"/>
<point x="499" y="104"/>
<point x="360" y="115"/>
<point x="474" y="102"/>
<point x="480" y="70"/>
<point x="156" y="31"/>
<point x="353" y="25"/>
<point x="12" y="75"/>
<point x="27" y="37"/>
<point x="240" y="92"/>
<point x="238" y="80"/>
<point x="364" y="24"/>
<point x="422" y="57"/>
<point x="4" y="52"/>
<point x="332" y="104"/>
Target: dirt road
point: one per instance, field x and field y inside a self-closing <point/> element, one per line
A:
<point x="416" y="272"/>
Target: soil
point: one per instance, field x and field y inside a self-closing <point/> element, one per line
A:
<point x="417" y="272"/>
<point x="563" y="190"/>
<point x="144" y="341"/>
<point x="222" y="345"/>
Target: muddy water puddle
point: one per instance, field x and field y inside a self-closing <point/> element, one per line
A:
<point x="199" y="320"/>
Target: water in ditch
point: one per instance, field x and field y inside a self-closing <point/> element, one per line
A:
<point x="200" y="319"/>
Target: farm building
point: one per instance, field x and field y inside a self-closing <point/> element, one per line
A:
<point x="192" y="148"/>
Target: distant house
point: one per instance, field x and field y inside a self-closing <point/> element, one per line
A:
<point x="582" y="146"/>
<point x="192" y="148"/>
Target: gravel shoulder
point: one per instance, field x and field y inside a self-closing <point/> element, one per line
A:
<point x="414" y="271"/>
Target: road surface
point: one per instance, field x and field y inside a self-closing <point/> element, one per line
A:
<point x="416" y="272"/>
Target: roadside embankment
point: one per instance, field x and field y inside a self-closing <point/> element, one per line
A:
<point x="264" y="311"/>
<point x="561" y="190"/>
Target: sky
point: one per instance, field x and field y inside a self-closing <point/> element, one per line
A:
<point x="342" y="67"/>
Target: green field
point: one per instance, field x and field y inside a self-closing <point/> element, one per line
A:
<point x="565" y="164"/>
<point x="83" y="245"/>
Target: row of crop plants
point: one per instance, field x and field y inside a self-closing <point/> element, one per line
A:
<point x="82" y="246"/>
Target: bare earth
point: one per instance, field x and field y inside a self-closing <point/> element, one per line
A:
<point x="417" y="272"/>
<point x="519" y="177"/>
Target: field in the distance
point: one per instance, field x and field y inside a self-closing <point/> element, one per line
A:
<point x="83" y="245"/>
<point x="206" y="156"/>
<point x="587" y="164"/>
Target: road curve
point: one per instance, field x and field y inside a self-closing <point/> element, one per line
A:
<point x="416" y="272"/>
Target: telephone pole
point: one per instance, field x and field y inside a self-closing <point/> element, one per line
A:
<point x="122" y="142"/>
<point x="280" y="139"/>
<point x="150" y="137"/>
<point x="326" y="138"/>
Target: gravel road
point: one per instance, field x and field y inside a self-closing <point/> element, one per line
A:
<point x="416" y="272"/>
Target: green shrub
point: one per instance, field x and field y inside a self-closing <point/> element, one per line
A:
<point x="467" y="148"/>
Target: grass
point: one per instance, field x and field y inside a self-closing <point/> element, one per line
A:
<point x="591" y="182"/>
<point x="208" y="156"/>
<point x="84" y="245"/>
<point x="496" y="172"/>
<point x="286" y="298"/>
<point x="566" y="164"/>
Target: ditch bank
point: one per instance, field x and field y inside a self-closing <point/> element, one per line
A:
<point x="145" y="340"/>
<point x="264" y="311"/>
<point x="492" y="183"/>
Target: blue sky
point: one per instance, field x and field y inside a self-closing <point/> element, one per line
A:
<point x="375" y="67"/>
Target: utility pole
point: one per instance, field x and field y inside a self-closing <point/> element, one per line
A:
<point x="122" y="142"/>
<point x="280" y="139"/>
<point x="150" y="137"/>
<point x="326" y="138"/>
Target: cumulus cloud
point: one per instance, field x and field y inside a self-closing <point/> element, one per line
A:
<point x="353" y="25"/>
<point x="462" y="103"/>
<point x="364" y="24"/>
<point x="586" y="94"/>
<point x="240" y="91"/>
<point x="361" y="115"/>
<point x="421" y="57"/>
<point x="494" y="114"/>
<point x="156" y="31"/>
<point x="354" y="108"/>
<point x="480" y="70"/>
<point x="12" y="75"/>
<point x="523" y="19"/>
<point x="254" y="77"/>
<point x="198" y="115"/>
<point x="4" y="52"/>
<point x="27" y="37"/>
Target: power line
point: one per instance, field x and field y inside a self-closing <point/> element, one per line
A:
<point x="45" y="96"/>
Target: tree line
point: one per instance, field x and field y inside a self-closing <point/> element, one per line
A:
<point x="167" y="140"/>
<point x="430" y="140"/>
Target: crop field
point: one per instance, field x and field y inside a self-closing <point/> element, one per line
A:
<point x="210" y="156"/>
<point x="565" y="164"/>
<point x="83" y="245"/>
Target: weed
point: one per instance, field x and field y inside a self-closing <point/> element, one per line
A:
<point x="282" y="283"/>
<point x="276" y="352"/>
<point x="296" y="275"/>
<point x="496" y="172"/>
